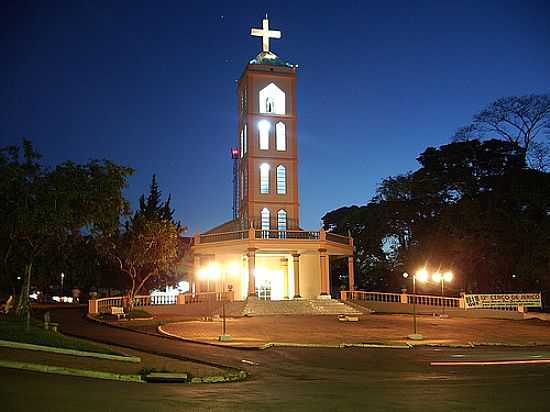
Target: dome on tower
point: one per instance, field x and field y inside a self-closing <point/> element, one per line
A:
<point x="270" y="58"/>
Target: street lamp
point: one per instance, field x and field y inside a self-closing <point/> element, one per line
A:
<point x="438" y="277"/>
<point x="422" y="275"/>
<point x="445" y="277"/>
<point x="62" y="277"/>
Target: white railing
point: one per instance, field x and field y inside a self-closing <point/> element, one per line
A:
<point x="370" y="296"/>
<point x="203" y="297"/>
<point x="430" y="300"/>
<point x="164" y="299"/>
<point x="104" y="305"/>
<point x="425" y="300"/>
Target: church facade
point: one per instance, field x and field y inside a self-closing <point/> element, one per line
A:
<point x="263" y="252"/>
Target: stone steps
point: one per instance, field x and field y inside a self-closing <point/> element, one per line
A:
<point x="295" y="307"/>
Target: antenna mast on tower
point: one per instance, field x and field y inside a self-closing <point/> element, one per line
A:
<point x="236" y="156"/>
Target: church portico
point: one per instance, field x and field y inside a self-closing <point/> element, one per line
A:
<point x="292" y="264"/>
<point x="263" y="252"/>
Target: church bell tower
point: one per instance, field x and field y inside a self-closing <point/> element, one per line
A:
<point x="268" y="166"/>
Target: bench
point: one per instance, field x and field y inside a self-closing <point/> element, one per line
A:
<point x="118" y="312"/>
<point x="51" y="326"/>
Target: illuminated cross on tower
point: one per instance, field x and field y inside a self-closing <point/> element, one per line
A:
<point x="265" y="34"/>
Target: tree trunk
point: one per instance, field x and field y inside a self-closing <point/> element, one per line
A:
<point x="23" y="308"/>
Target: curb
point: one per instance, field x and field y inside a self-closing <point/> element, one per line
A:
<point x="441" y="345"/>
<point x="492" y="363"/>
<point x="152" y="352"/>
<point x="301" y="345"/>
<point x="169" y="335"/>
<point x="286" y="344"/>
<point x="509" y="345"/>
<point x="407" y="345"/>
<point x="376" y="345"/>
<point x="63" y="351"/>
<point x="59" y="370"/>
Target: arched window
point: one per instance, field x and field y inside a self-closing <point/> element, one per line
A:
<point x="264" y="178"/>
<point x="245" y="183"/>
<point x="263" y="129"/>
<point x="272" y="100"/>
<point x="280" y="131"/>
<point x="242" y="142"/>
<point x="269" y="105"/>
<point x="245" y="134"/>
<point x="265" y="218"/>
<point x="281" y="180"/>
<point x="281" y="220"/>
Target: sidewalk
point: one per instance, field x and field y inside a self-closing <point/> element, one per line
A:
<point x="257" y="332"/>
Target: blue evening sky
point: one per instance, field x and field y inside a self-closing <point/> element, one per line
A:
<point x="152" y="85"/>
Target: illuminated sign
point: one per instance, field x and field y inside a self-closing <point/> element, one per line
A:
<point x="503" y="299"/>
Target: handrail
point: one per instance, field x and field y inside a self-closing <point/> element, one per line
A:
<point x="287" y="234"/>
<point x="428" y="300"/>
<point x="371" y="296"/>
<point x="220" y="237"/>
<point x="334" y="237"/>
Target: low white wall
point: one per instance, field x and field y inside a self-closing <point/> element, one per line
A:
<point x="383" y="307"/>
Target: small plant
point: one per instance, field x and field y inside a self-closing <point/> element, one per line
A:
<point x="138" y="314"/>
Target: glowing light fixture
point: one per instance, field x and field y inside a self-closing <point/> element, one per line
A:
<point x="437" y="276"/>
<point x="422" y="275"/>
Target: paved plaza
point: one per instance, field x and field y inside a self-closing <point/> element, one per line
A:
<point x="385" y="329"/>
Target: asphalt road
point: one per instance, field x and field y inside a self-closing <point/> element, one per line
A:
<point x="295" y="379"/>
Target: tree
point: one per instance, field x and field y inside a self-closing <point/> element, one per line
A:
<point x="147" y="247"/>
<point x="42" y="208"/>
<point x="516" y="119"/>
<point x="143" y="250"/>
<point x="473" y="207"/>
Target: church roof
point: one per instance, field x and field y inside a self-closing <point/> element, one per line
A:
<point x="270" y="58"/>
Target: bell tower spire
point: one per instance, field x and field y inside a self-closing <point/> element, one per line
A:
<point x="267" y="140"/>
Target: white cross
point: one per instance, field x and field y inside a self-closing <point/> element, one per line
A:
<point x="265" y="34"/>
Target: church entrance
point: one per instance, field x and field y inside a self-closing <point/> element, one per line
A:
<point x="263" y="290"/>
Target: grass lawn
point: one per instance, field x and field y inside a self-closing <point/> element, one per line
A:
<point x="13" y="329"/>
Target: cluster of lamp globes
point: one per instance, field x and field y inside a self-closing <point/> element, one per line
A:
<point x="214" y="270"/>
<point x="423" y="276"/>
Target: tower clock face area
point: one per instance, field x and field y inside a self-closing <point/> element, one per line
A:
<point x="267" y="139"/>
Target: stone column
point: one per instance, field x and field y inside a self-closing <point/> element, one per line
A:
<point x="251" y="266"/>
<point x="351" y="273"/>
<point x="325" y="273"/>
<point x="284" y="267"/>
<point x="296" y="265"/>
<point x="196" y="268"/>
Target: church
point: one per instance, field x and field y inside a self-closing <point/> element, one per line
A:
<point x="263" y="252"/>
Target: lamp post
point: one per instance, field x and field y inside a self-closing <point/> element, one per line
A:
<point x="442" y="278"/>
<point x="422" y="276"/>
<point x="62" y="278"/>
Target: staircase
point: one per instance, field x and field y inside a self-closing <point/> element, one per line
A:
<point x="293" y="307"/>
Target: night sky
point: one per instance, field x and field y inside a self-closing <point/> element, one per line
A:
<point x="152" y="85"/>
